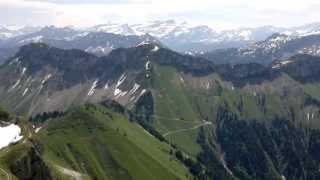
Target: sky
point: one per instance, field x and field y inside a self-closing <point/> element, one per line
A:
<point x="218" y="14"/>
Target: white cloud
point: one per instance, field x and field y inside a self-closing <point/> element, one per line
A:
<point x="217" y="13"/>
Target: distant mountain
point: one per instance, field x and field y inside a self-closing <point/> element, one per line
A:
<point x="13" y="31"/>
<point x="183" y="37"/>
<point x="99" y="43"/>
<point x="190" y="39"/>
<point x="179" y="36"/>
<point x="276" y="47"/>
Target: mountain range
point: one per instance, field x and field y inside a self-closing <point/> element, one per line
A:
<point x="181" y="116"/>
<point x="179" y="36"/>
<point x="161" y="100"/>
<point x="275" y="47"/>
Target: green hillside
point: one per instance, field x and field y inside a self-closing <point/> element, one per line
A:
<point x="100" y="144"/>
<point x="90" y="142"/>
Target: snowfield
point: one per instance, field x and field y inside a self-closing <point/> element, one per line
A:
<point x="9" y="134"/>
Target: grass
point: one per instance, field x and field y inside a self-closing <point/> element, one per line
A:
<point x="172" y="101"/>
<point x="105" y="145"/>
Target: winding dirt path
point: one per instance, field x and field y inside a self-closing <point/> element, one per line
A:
<point x="187" y="129"/>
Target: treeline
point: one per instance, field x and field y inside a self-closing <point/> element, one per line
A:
<point x="43" y="117"/>
<point x="195" y="167"/>
<point x="4" y="115"/>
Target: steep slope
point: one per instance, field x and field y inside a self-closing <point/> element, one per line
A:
<point x="43" y="78"/>
<point x="257" y="114"/>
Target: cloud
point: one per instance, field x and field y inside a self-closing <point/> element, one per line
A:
<point x="217" y="13"/>
<point x="82" y="1"/>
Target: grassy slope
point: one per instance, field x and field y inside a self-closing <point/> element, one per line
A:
<point x="174" y="110"/>
<point x="94" y="141"/>
<point x="176" y="99"/>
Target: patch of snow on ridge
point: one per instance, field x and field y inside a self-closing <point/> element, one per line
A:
<point x="9" y="134"/>
<point x="38" y="129"/>
<point x="25" y="91"/>
<point x="208" y="86"/>
<point x="132" y="98"/>
<point x="106" y="86"/>
<point x="155" y="49"/>
<point x="15" y="85"/>
<point x="119" y="92"/>
<point x="23" y="71"/>
<point x="134" y="89"/>
<point x="15" y="60"/>
<point x="93" y="87"/>
<point x="33" y="39"/>
<point x="285" y="62"/>
<point x="278" y="65"/>
<point x="121" y="80"/>
<point x="142" y="44"/>
<point x="46" y="78"/>
<point x="148" y="65"/>
<point x="142" y="92"/>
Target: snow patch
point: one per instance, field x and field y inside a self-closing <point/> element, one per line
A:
<point x="46" y="78"/>
<point x="23" y="71"/>
<point x="121" y="80"/>
<point x="134" y="89"/>
<point x="142" y="43"/>
<point x="9" y="134"/>
<point x="277" y="66"/>
<point x="132" y="98"/>
<point x="182" y="80"/>
<point x="25" y="91"/>
<point x="119" y="92"/>
<point x="285" y="62"/>
<point x="15" y="85"/>
<point x="93" y="87"/>
<point x="208" y="86"/>
<point x="38" y="129"/>
<point x="142" y="92"/>
<point x="148" y="65"/>
<point x="106" y="87"/>
<point x="33" y="39"/>
<point x="155" y="49"/>
<point x="15" y="60"/>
